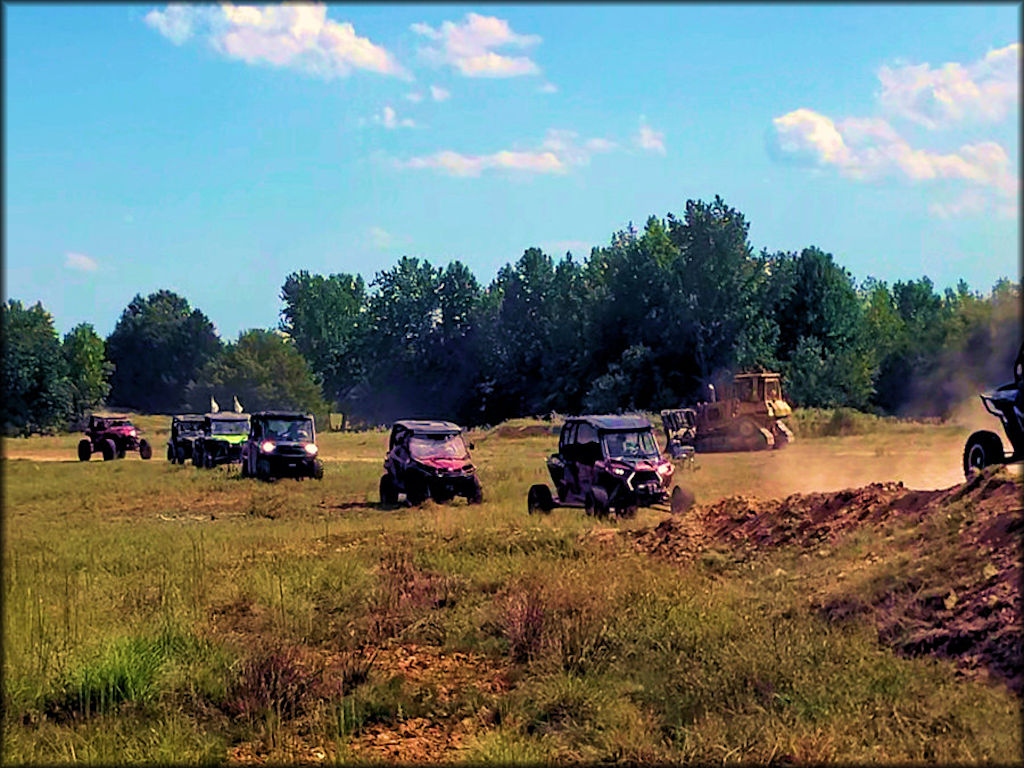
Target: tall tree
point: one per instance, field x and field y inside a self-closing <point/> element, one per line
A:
<point x="157" y="348"/>
<point x="88" y="369"/>
<point x="327" y="319"/>
<point x="35" y="385"/>
<point x="264" y="370"/>
<point x="715" y="275"/>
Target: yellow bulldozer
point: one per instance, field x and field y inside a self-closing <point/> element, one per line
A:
<point x="746" y="416"/>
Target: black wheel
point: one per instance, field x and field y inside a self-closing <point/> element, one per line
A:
<point x="681" y="500"/>
<point x="629" y="510"/>
<point x="171" y="457"/>
<point x="596" y="502"/>
<point x="197" y="456"/>
<point x="181" y="454"/>
<point x="109" y="450"/>
<point x="208" y="460"/>
<point x="120" y="453"/>
<point x="245" y="468"/>
<point x="263" y="469"/>
<point x="145" y="450"/>
<point x="476" y="495"/>
<point x="84" y="449"/>
<point x="538" y="499"/>
<point x="416" y="493"/>
<point x="983" y="449"/>
<point x="318" y="470"/>
<point x="388" y="492"/>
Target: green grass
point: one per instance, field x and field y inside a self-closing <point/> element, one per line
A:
<point x="143" y="602"/>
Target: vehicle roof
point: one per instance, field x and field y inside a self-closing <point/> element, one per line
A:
<point x="111" y="415"/>
<point x="612" y="421"/>
<point x="281" y="415"/>
<point x="188" y="417"/>
<point x="230" y="415"/>
<point x="762" y="375"/>
<point x="428" y="426"/>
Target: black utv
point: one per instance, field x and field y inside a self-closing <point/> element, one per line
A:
<point x="281" y="444"/>
<point x="185" y="429"/>
<point x="984" y="447"/>
<point x="428" y="459"/>
<point x="222" y="439"/>
<point x="608" y="464"/>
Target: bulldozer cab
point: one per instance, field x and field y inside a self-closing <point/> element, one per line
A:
<point x="745" y="416"/>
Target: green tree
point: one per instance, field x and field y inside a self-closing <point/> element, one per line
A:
<point x="264" y="370"/>
<point x="326" y="317"/>
<point x="715" y="277"/>
<point x="88" y="369"/>
<point x="418" y="352"/>
<point x="157" y="347"/>
<point x="35" y="385"/>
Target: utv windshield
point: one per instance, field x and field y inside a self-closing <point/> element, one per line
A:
<point x="189" y="427"/>
<point x="438" y="447"/>
<point x="232" y="427"/>
<point x="631" y="445"/>
<point x="298" y="431"/>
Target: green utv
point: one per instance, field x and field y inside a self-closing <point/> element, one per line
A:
<point x="222" y="439"/>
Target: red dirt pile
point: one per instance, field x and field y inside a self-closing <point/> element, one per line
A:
<point x="956" y="592"/>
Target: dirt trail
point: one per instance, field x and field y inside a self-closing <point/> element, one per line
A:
<point x="961" y="600"/>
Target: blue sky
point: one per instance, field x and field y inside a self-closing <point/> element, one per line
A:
<point x="214" y="149"/>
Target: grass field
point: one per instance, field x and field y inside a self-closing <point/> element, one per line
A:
<point x="157" y="613"/>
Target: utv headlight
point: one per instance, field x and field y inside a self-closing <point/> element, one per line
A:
<point x="620" y="471"/>
<point x="665" y="469"/>
<point x="311" y="448"/>
<point x="267" y="446"/>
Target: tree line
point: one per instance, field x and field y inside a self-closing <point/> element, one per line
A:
<point x="642" y="323"/>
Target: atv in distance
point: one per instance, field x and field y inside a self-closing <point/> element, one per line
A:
<point x="608" y="464"/>
<point x="281" y="444"/>
<point x="221" y="439"/>
<point x="680" y="432"/>
<point x="185" y="428"/>
<point x="113" y="436"/>
<point x="428" y="459"/>
<point x="1006" y="402"/>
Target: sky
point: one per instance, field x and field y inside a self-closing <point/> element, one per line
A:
<point x="213" y="150"/>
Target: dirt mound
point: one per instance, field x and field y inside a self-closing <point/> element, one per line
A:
<point x="947" y="585"/>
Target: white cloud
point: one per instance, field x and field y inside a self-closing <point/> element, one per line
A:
<point x="415" y="97"/>
<point x="175" y="22"/>
<point x="297" y="36"/>
<point x="439" y="94"/>
<point x="557" y="153"/>
<point x="649" y="139"/>
<point x="870" y="149"/>
<point x="469" y="47"/>
<point x="79" y="262"/>
<point x="457" y="164"/>
<point x="984" y="91"/>
<point x="380" y="238"/>
<point x="566" y="145"/>
<point x="548" y="88"/>
<point x="390" y="120"/>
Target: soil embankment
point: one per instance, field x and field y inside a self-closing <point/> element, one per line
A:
<point x="941" y="577"/>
